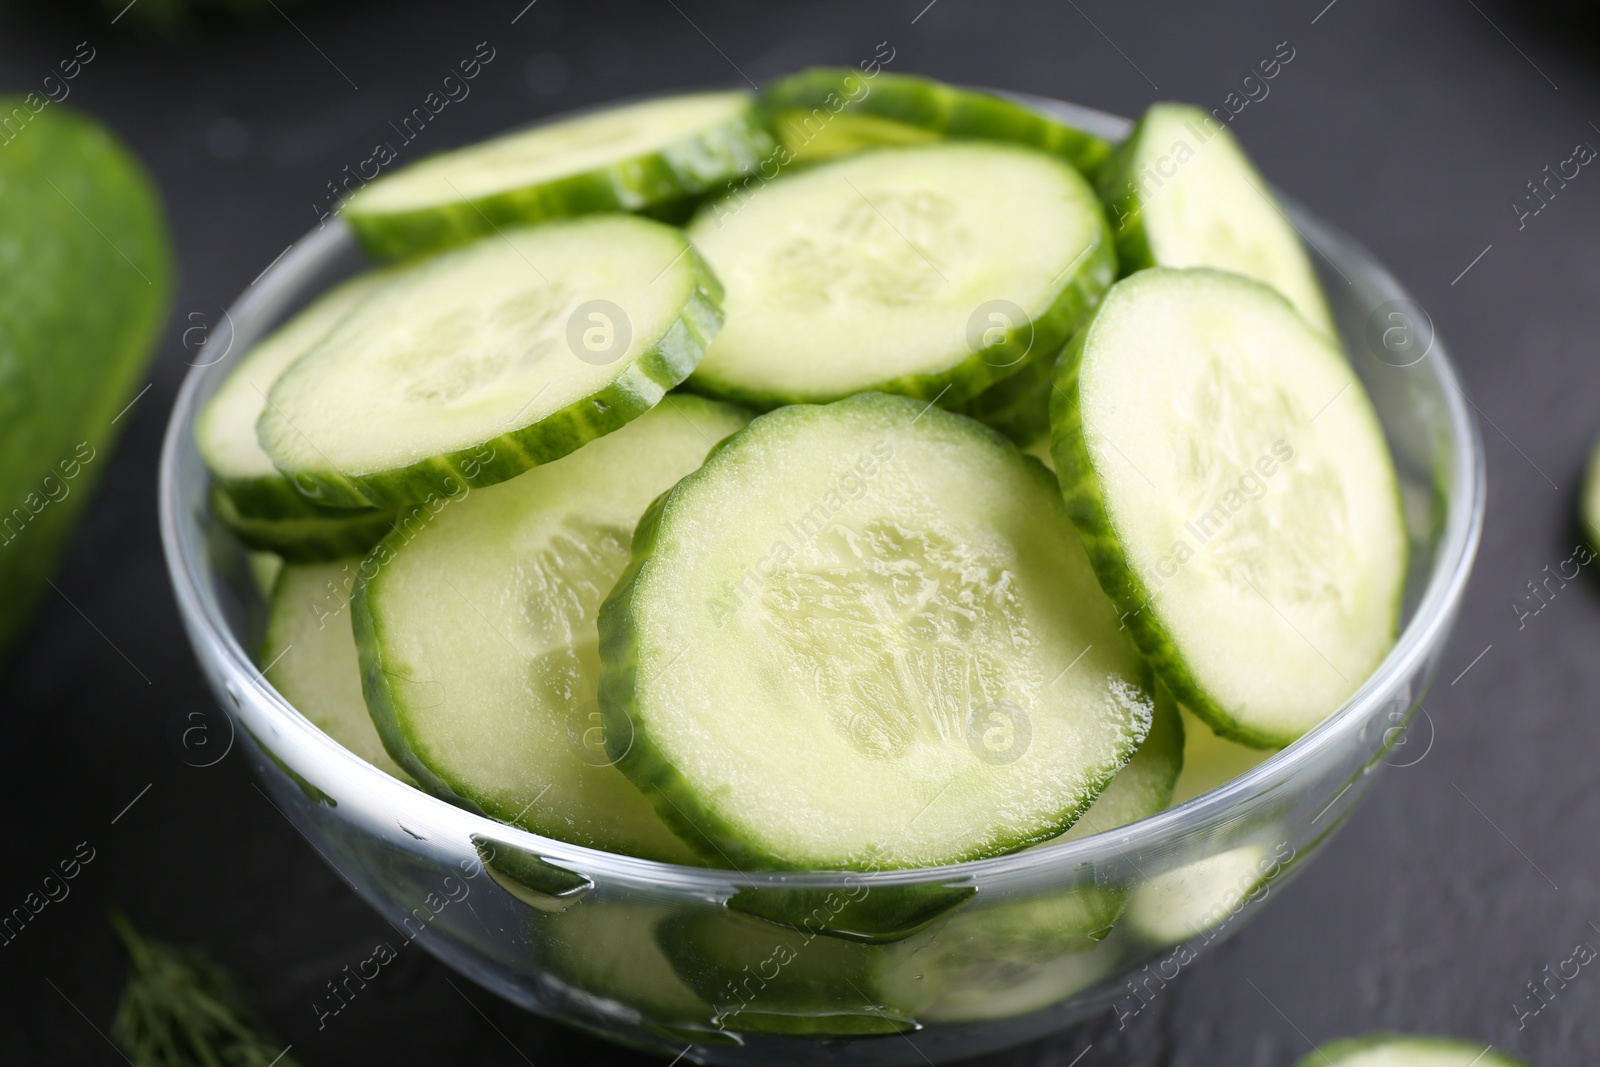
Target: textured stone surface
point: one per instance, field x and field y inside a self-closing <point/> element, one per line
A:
<point x="1411" y="126"/>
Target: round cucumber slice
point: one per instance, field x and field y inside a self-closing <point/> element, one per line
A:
<point x="991" y="989"/>
<point x="477" y="637"/>
<point x="310" y="656"/>
<point x="225" y="430"/>
<point x="765" y="979"/>
<point x="1399" y="1050"/>
<point x="327" y="533"/>
<point x="931" y="271"/>
<point x="1209" y="760"/>
<point x="1222" y="462"/>
<point x="1180" y="192"/>
<point x="1145" y="785"/>
<point x="625" y="158"/>
<point x="826" y="111"/>
<point x="866" y="635"/>
<point x="1184" y="903"/>
<point x="608" y="950"/>
<point x="472" y="367"/>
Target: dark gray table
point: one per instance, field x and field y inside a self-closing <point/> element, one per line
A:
<point x="1411" y="126"/>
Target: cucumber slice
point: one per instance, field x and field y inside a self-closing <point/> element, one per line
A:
<point x="474" y="366"/>
<point x="477" y="640"/>
<point x="852" y="640"/>
<point x="932" y="271"/>
<point x="625" y="158"/>
<point x="988" y="990"/>
<point x="330" y="533"/>
<point x="1180" y="192"/>
<point x="1210" y="761"/>
<point x="310" y="656"/>
<point x="225" y="430"/>
<point x="1400" y="1050"/>
<point x="1222" y="462"/>
<point x="827" y="110"/>
<point x="608" y="950"/>
<point x="1177" y="905"/>
<point x="766" y="979"/>
<point x="1145" y="785"/>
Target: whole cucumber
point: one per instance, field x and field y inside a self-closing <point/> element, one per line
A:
<point x="85" y="276"/>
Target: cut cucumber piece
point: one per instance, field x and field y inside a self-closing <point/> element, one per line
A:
<point x="931" y="271"/>
<point x="608" y="950"/>
<point x="477" y="639"/>
<point x="1145" y="785"/>
<point x="828" y="110"/>
<point x="625" y="158"/>
<point x="1184" y="903"/>
<point x="330" y="533"/>
<point x="1210" y="761"/>
<point x="1180" y="192"/>
<point x="991" y="989"/>
<point x="472" y="367"/>
<point x="766" y="979"/>
<point x="225" y="430"/>
<point x="310" y="656"/>
<point x="853" y="638"/>
<point x="1400" y="1050"/>
<point x="886" y="914"/>
<point x="1222" y="462"/>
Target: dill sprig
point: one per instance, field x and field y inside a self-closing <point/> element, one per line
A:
<point x="180" y="1009"/>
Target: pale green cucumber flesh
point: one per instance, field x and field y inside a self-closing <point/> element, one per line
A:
<point x="477" y="636"/>
<point x="932" y="271"/>
<point x="264" y="567"/>
<point x="1404" y="1050"/>
<point x="309" y="656"/>
<point x="1210" y="760"/>
<point x="1222" y="461"/>
<point x="1180" y="192"/>
<point x="608" y="950"/>
<point x="225" y="429"/>
<point x="824" y="111"/>
<point x="473" y="366"/>
<point x="991" y="989"/>
<point x="1145" y="784"/>
<point x="1185" y="902"/>
<point x="858" y="633"/>
<point x="629" y="158"/>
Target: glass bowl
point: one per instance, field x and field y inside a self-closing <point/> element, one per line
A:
<point x="979" y="955"/>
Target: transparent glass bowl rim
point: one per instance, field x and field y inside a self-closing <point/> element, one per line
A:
<point x="1457" y="545"/>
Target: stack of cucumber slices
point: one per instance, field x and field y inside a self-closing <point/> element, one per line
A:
<point x="865" y="521"/>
